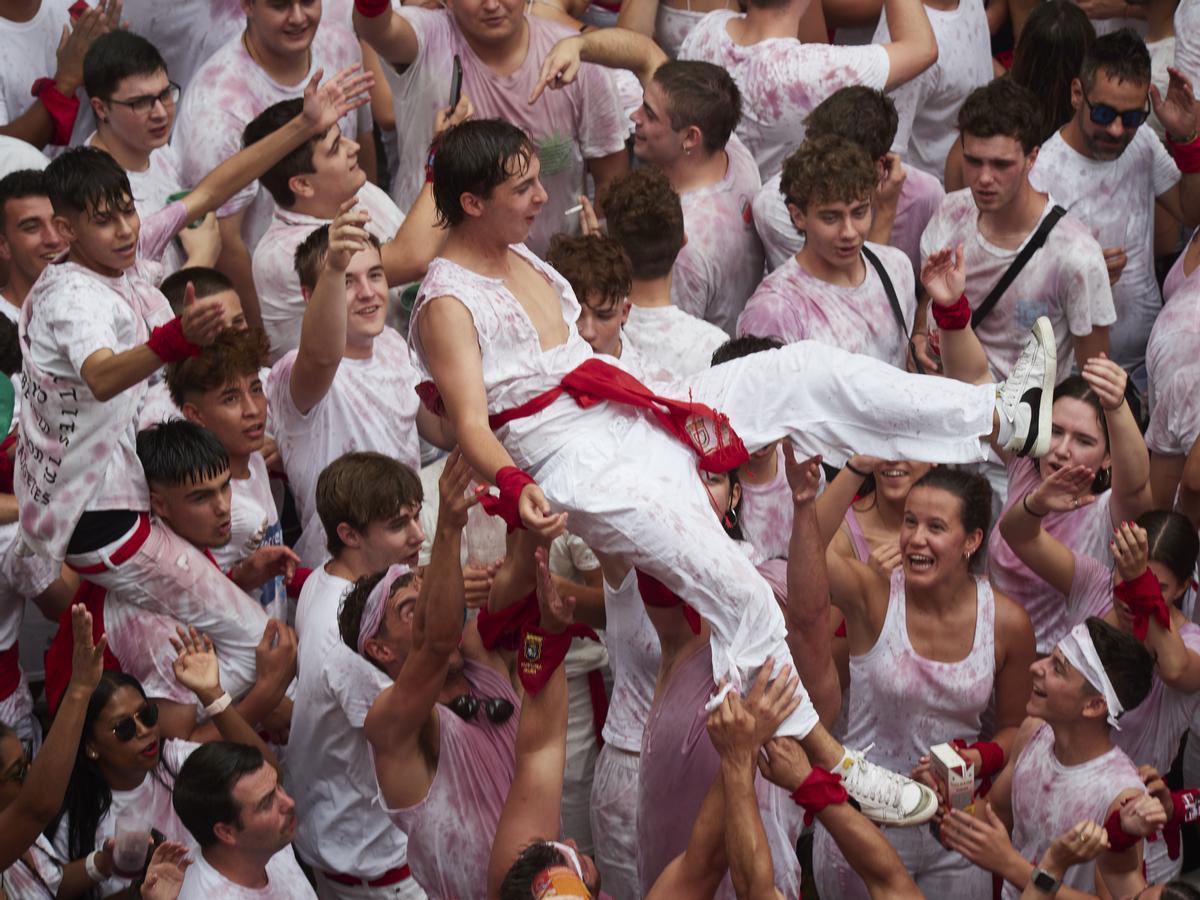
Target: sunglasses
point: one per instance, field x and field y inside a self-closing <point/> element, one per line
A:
<point x="126" y="728"/>
<point x="1103" y="114"/>
<point x="466" y="707"/>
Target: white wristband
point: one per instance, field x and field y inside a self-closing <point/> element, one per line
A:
<point x="218" y="706"/>
<point x="89" y="863"/>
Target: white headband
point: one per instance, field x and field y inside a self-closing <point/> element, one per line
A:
<point x="1080" y="652"/>
<point x="372" y="614"/>
<point x="572" y="856"/>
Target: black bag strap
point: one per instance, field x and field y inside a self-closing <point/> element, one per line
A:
<point x="894" y="301"/>
<point x="1014" y="269"/>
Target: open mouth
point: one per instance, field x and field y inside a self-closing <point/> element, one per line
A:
<point x="918" y="562"/>
<point x="151" y="750"/>
<point x="893" y="473"/>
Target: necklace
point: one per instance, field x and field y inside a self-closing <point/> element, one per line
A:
<point x="258" y="62"/>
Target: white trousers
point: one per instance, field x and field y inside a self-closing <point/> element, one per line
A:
<point x="614" y="821"/>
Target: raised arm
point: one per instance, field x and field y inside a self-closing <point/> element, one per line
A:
<point x="616" y="48"/>
<point x="840" y="493"/>
<point x="944" y="277"/>
<point x="1178" y="113"/>
<point x="913" y="48"/>
<point x="323" y="329"/>
<point x="1021" y="526"/>
<point x="1130" y="458"/>
<point x="41" y="796"/>
<point x="532" y="809"/>
<point x="387" y="32"/>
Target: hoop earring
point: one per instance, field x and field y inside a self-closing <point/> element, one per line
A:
<point x="730" y="518"/>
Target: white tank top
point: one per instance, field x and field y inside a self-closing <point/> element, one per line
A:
<point x="634" y="655"/>
<point x="1048" y="798"/>
<point x="904" y="703"/>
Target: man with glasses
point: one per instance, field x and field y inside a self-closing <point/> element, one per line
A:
<point x="1107" y="170"/>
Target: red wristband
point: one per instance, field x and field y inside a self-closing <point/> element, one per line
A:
<point x="991" y="756"/>
<point x="1144" y="598"/>
<point x="511" y="481"/>
<point x="502" y="629"/>
<point x="820" y="789"/>
<point x="62" y="109"/>
<point x="542" y="652"/>
<point x="953" y="318"/>
<point x="369" y="9"/>
<point x="1118" y="840"/>
<point x="296" y="585"/>
<point x="169" y="344"/>
<point x="1186" y="156"/>
<point x="1186" y="804"/>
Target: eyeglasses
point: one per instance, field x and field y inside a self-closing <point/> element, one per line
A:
<point x="1103" y="114"/>
<point x="17" y="771"/>
<point x="126" y="729"/>
<point x="466" y="707"/>
<point x="142" y="105"/>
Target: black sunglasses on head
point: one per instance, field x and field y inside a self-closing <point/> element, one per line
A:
<point x="126" y="728"/>
<point x="466" y="707"/>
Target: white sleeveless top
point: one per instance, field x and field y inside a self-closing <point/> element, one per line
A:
<point x="634" y="655"/>
<point x="904" y="703"/>
<point x="1048" y="798"/>
<point x="515" y="368"/>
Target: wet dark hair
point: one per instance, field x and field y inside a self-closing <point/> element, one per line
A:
<point x="1048" y="58"/>
<point x="205" y="282"/>
<point x="475" y="157"/>
<point x="974" y="495"/>
<point x="736" y="348"/>
<point x="862" y="114"/>
<point x="1126" y="661"/>
<point x="21" y="184"/>
<point x="298" y="162"/>
<point x="84" y="179"/>
<point x="1002" y="108"/>
<point x="533" y="860"/>
<point x="1121" y="55"/>
<point x="1076" y="388"/>
<point x="179" y="452"/>
<point x="1173" y="541"/>
<point x="701" y="94"/>
<point x="116" y="56"/>
<point x="355" y="600"/>
<point x="203" y="796"/>
<point x="89" y="797"/>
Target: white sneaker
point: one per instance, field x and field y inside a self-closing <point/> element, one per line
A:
<point x="882" y="796"/>
<point x="1026" y="398"/>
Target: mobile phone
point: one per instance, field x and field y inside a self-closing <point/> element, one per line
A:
<point x="455" y="83"/>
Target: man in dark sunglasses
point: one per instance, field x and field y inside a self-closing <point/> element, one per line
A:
<point x="1109" y="171"/>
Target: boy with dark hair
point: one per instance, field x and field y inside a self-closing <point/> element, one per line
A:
<point x="29" y="240"/>
<point x="599" y="272"/>
<point x="309" y="186"/>
<point x="647" y="219"/>
<point x="369" y="506"/>
<point x="229" y="798"/>
<point x="904" y="200"/>
<point x="351" y="384"/>
<point x="840" y="289"/>
<point x="1110" y="172"/>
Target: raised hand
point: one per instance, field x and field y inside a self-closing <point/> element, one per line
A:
<point x="589" y="222"/>
<point x="560" y="67"/>
<point x="1176" y="111"/>
<point x="164" y="875"/>
<point x="77" y="39"/>
<point x="454" y="501"/>
<point x="731" y="728"/>
<point x="1107" y="379"/>
<point x="202" y="320"/>
<point x="887" y="191"/>
<point x="325" y="104"/>
<point x="944" y="275"/>
<point x="536" y="515"/>
<point x="1131" y="550"/>
<point x="803" y="477"/>
<point x="202" y="244"/>
<point x="784" y="762"/>
<point x="557" y="612"/>
<point x="1062" y="491"/>
<point x="275" y="655"/>
<point x="347" y="236"/>
<point x="445" y="119"/>
<point x="196" y="665"/>
<point x="771" y="700"/>
<point x="87" y="657"/>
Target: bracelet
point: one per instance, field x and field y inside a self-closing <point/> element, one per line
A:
<point x="369" y="9"/>
<point x="169" y="343"/>
<point x="1186" y="154"/>
<point x="93" y="871"/>
<point x="218" y="706"/>
<point x="953" y="318"/>
<point x="1025" y="503"/>
<point x="859" y="472"/>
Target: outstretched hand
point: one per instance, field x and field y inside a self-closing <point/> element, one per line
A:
<point x="325" y="104"/>
<point x="347" y="236"/>
<point x="1107" y="379"/>
<point x="196" y="665"/>
<point x="1177" y="110"/>
<point x="1062" y="491"/>
<point x="87" y="659"/>
<point x="803" y="476"/>
<point x="772" y="699"/>
<point x="731" y="728"/>
<point x="944" y="275"/>
<point x="201" y="320"/>
<point x="557" y="612"/>
<point x="537" y="516"/>
<point x="785" y="763"/>
<point x="560" y="67"/>
<point x="445" y="119"/>
<point x="164" y="875"/>
<point x="1131" y="550"/>
<point x="454" y="500"/>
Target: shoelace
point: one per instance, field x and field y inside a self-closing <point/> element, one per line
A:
<point x="874" y="782"/>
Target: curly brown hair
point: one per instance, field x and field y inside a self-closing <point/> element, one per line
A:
<point x="645" y="217"/>
<point x="232" y="355"/>
<point x="595" y="265"/>
<point x="828" y="168"/>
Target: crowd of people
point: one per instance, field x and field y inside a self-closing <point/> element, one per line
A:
<point x="497" y="450"/>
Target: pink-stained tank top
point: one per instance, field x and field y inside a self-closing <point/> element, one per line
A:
<point x="450" y="832"/>
<point x="1048" y="798"/>
<point x="858" y="538"/>
<point x="904" y="703"/>
<point x="1177" y="277"/>
<point x="678" y="767"/>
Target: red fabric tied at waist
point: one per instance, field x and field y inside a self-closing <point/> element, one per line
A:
<point x="1144" y="598"/>
<point x="820" y="789"/>
<point x="502" y="629"/>
<point x="10" y="670"/>
<point x="61" y="653"/>
<point x="702" y="428"/>
<point x="542" y="652"/>
<point x="657" y="595"/>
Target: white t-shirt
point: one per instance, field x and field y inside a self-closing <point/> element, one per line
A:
<point x="1187" y="39"/>
<point x="274" y="263"/>
<point x="722" y="262"/>
<point x="672" y="339"/>
<point x="30" y="53"/>
<point x="1175" y="338"/>
<point x="35" y="876"/>
<point x="928" y="105"/>
<point x="185" y="32"/>
<point x="1066" y="280"/>
<point x="918" y="201"/>
<point x="285" y="881"/>
<point x="255" y="523"/>
<point x="582" y="121"/>
<point x="1115" y="199"/>
<point x="16" y="154"/>
<point x="781" y="81"/>
<point x="793" y="305"/>
<point x="371" y="405"/>
<point x="1175" y="417"/>
<point x="228" y="92"/>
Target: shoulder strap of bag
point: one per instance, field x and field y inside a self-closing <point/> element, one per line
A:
<point x="894" y="302"/>
<point x="1014" y="269"/>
